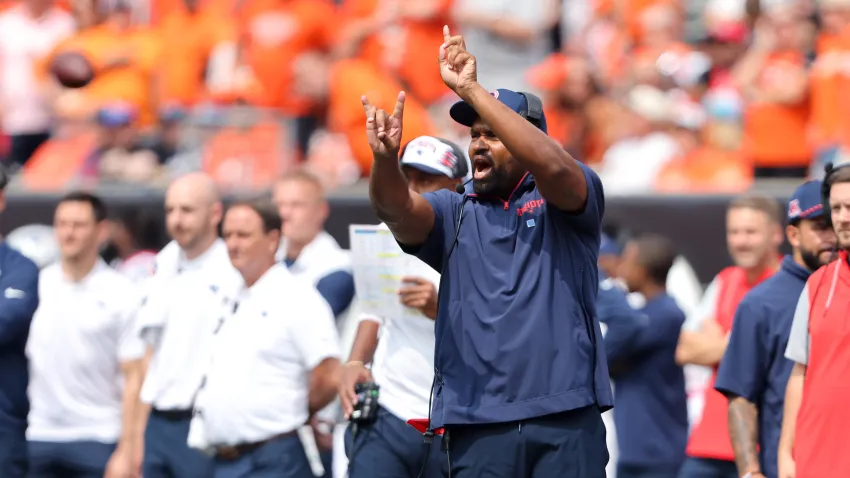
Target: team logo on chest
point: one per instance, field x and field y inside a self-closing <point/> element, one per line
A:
<point x="529" y="207"/>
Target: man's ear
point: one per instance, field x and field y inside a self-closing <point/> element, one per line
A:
<point x="793" y="234"/>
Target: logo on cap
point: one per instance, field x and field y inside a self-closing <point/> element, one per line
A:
<point x="794" y="208"/>
<point x="494" y="93"/>
<point x="449" y="160"/>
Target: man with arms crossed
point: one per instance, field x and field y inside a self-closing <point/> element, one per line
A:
<point x="274" y="360"/>
<point x="18" y="301"/>
<point x="85" y="360"/>
<point x="519" y="361"/>
<point x="754" y="370"/>
<point x="403" y="359"/>
<point x="816" y="418"/>
<point x="753" y="235"/>
<point x="180" y="312"/>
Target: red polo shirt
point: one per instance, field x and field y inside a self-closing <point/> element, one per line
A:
<point x="710" y="437"/>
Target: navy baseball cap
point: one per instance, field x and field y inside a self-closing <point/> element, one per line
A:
<point x="806" y="202"/>
<point x="435" y="156"/>
<point x="463" y="113"/>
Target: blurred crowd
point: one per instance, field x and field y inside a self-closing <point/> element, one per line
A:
<point x="664" y="95"/>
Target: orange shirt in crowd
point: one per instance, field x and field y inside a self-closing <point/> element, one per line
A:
<point x="188" y="41"/>
<point x="409" y="47"/>
<point x="775" y="134"/>
<point x="131" y="83"/>
<point x="274" y="35"/>
<point x="161" y="9"/>
<point x="824" y="84"/>
<point x="706" y="170"/>
<point x="349" y="80"/>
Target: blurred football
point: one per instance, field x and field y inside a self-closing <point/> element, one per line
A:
<point x="71" y="70"/>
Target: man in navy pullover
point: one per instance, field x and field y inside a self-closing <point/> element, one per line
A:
<point x="649" y="387"/>
<point x="18" y="301"/>
<point x="754" y="370"/>
<point x="520" y="372"/>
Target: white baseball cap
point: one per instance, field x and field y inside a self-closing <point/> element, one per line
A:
<point x="435" y="156"/>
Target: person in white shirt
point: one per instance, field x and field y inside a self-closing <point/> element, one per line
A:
<point x="180" y="312"/>
<point x="274" y="360"/>
<point x="313" y="255"/>
<point x="403" y="359"/>
<point x="84" y="357"/>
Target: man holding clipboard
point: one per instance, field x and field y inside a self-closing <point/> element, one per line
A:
<point x="403" y="360"/>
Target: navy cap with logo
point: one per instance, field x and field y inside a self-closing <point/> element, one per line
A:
<point x="463" y="113"/>
<point x="435" y="156"/>
<point x="806" y="203"/>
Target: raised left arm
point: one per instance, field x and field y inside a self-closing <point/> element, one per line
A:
<point x="558" y="175"/>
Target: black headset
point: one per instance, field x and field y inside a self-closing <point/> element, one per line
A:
<point x="534" y="114"/>
<point x="830" y="170"/>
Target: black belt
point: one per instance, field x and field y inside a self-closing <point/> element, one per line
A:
<point x="234" y="452"/>
<point x="172" y="415"/>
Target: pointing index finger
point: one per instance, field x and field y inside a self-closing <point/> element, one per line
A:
<point x="446" y="33"/>
<point x="398" y="111"/>
<point x="367" y="107"/>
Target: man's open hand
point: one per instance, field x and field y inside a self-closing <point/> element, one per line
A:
<point x="382" y="131"/>
<point x="421" y="294"/>
<point x="457" y="66"/>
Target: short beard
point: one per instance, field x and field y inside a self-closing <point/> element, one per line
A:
<point x="812" y="260"/>
<point x="495" y="185"/>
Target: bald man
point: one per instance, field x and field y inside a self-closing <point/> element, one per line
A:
<point x="176" y="322"/>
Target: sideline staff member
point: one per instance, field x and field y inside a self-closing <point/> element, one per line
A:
<point x="18" y="301"/>
<point x="85" y="369"/>
<point x="816" y="417"/>
<point x="519" y="362"/>
<point x="754" y="371"/>
<point x="275" y="359"/>
<point x="649" y="386"/>
<point x="180" y="311"/>
<point x="403" y="346"/>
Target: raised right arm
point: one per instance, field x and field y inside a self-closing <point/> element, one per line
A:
<point x="408" y="215"/>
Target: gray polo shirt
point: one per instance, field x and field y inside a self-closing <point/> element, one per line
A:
<point x="799" y="341"/>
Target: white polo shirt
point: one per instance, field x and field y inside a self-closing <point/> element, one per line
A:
<point x="321" y="257"/>
<point x="181" y="310"/>
<point x="263" y="354"/>
<point x="80" y="334"/>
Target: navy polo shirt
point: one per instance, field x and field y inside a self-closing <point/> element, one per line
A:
<point x="516" y="334"/>
<point x="754" y="366"/>
<point x="649" y="387"/>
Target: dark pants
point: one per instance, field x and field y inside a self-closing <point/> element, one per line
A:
<point x="707" y="468"/>
<point x="166" y="453"/>
<point x="327" y="457"/>
<point x="279" y="458"/>
<point x="563" y="445"/>
<point x="13" y="453"/>
<point x="73" y="459"/>
<point x="390" y="448"/>
<point x="634" y="471"/>
<point x="23" y="146"/>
